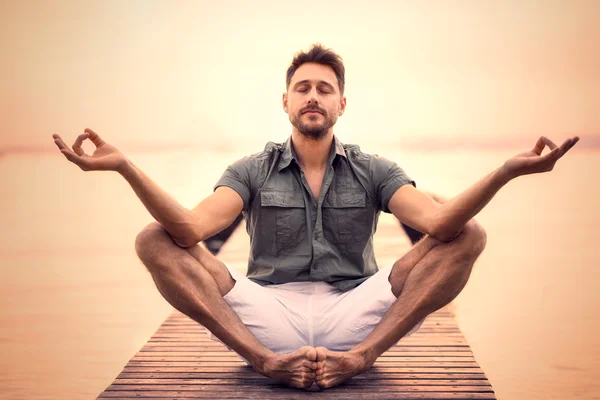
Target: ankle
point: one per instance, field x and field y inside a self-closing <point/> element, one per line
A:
<point x="261" y="361"/>
<point x="366" y="355"/>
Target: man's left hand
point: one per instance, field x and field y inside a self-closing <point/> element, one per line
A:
<point x="532" y="162"/>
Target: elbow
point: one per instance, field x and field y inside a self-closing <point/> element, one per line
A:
<point x="473" y="230"/>
<point x="183" y="238"/>
<point x="189" y="233"/>
<point x="445" y="232"/>
<point x="186" y="239"/>
<point x="439" y="230"/>
<point x="444" y="235"/>
<point x="183" y="242"/>
<point x="148" y="235"/>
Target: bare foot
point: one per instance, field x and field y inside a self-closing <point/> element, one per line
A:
<point x="295" y="369"/>
<point x="335" y="367"/>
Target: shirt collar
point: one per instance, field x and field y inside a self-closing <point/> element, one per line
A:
<point x="289" y="153"/>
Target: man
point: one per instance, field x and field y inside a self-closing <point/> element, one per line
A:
<point x="215" y="243"/>
<point x="313" y="308"/>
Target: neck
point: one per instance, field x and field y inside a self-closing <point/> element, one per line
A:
<point x="312" y="154"/>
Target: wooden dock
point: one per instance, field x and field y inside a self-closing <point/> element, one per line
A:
<point x="181" y="361"/>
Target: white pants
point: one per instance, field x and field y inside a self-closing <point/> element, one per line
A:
<point x="288" y="316"/>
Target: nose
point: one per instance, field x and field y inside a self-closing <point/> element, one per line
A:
<point x="312" y="96"/>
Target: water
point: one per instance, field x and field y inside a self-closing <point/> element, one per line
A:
<point x="76" y="303"/>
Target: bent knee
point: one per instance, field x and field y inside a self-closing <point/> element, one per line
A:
<point x="475" y="236"/>
<point x="146" y="241"/>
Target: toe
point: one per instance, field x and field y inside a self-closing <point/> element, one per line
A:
<point x="322" y="383"/>
<point x="321" y="365"/>
<point x="307" y="379"/>
<point x="321" y="353"/>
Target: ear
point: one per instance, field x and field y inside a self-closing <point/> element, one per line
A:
<point x="284" y="102"/>
<point x="342" y="105"/>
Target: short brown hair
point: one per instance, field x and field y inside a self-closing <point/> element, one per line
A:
<point x="318" y="55"/>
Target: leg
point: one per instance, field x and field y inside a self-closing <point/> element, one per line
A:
<point x="427" y="278"/>
<point x="194" y="282"/>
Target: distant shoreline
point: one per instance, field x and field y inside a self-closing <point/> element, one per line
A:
<point x="433" y="144"/>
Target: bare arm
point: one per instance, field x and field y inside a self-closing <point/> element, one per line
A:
<point x="186" y="227"/>
<point x="445" y="221"/>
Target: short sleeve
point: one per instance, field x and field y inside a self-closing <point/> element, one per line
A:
<point x="387" y="178"/>
<point x="239" y="176"/>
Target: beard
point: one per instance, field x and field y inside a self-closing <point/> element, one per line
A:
<point x="312" y="130"/>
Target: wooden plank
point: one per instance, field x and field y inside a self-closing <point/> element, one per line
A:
<point x="260" y="388"/>
<point x="287" y="394"/>
<point x="223" y="356"/>
<point x="405" y="343"/>
<point x="181" y="361"/>
<point x="465" y="364"/>
<point x="267" y="381"/>
<point x="396" y="375"/>
<point x="242" y="369"/>
<point x="421" y="351"/>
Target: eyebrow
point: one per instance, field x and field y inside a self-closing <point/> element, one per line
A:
<point x="308" y="81"/>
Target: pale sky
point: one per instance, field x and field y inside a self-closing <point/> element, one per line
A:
<point x="148" y="73"/>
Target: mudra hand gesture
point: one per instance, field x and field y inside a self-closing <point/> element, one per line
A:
<point x="532" y="162"/>
<point x="104" y="158"/>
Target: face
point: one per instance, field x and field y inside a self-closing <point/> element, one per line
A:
<point x="313" y="101"/>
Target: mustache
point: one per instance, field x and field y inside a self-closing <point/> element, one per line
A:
<point x="313" y="108"/>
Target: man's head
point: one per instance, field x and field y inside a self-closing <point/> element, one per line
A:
<point x="315" y="91"/>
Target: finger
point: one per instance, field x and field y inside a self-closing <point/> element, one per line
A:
<point x="566" y="145"/>
<point x="551" y="156"/>
<point x="77" y="145"/>
<point x="94" y="137"/>
<point x="81" y="162"/>
<point x="74" y="158"/>
<point x="59" y="142"/>
<point x="574" y="141"/>
<point x="539" y="146"/>
<point x="549" y="143"/>
<point x="310" y="364"/>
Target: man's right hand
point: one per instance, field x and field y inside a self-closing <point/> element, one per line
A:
<point x="105" y="157"/>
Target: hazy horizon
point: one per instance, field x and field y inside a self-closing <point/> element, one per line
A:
<point x="433" y="144"/>
<point x="147" y="73"/>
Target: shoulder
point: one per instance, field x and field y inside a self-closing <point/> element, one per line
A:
<point x="259" y="160"/>
<point x="371" y="162"/>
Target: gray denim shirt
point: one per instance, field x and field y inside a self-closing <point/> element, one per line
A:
<point x="293" y="237"/>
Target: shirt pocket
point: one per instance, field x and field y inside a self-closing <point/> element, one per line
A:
<point x="346" y="217"/>
<point x="287" y="215"/>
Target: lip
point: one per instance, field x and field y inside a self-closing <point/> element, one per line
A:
<point x="312" y="112"/>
